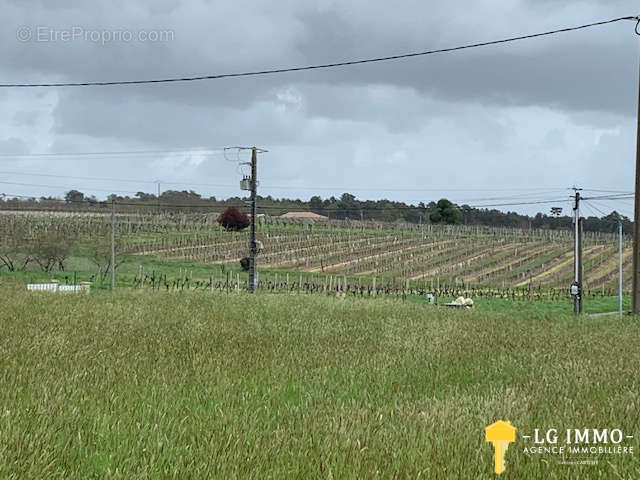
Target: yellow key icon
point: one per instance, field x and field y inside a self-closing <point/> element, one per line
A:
<point x="500" y="434"/>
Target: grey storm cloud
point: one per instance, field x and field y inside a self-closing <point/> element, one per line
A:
<point x="586" y="70"/>
<point x="541" y="102"/>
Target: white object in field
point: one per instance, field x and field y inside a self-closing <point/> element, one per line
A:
<point x="54" y="287"/>
<point x="73" y="288"/>
<point x="42" y="287"/>
<point x="431" y="298"/>
<point x="460" y="302"/>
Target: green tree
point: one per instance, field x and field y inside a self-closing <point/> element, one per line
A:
<point x="315" y="204"/>
<point x="446" y="212"/>
<point x="74" y="196"/>
<point x="348" y="206"/>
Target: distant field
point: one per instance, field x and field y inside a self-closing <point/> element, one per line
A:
<point x="143" y="385"/>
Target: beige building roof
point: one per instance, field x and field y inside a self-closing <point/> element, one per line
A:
<point x="305" y="215"/>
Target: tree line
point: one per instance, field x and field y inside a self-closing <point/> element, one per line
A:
<point x="346" y="207"/>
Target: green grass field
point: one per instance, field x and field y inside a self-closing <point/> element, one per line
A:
<point x="540" y="308"/>
<point x="145" y="385"/>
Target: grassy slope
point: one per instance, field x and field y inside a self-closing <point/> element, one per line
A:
<point x="139" y="385"/>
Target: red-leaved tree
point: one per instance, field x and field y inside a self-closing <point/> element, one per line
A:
<point x="233" y="220"/>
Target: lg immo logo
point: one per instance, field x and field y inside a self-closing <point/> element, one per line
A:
<point x="579" y="441"/>
<point x="500" y="434"/>
<point x="587" y="443"/>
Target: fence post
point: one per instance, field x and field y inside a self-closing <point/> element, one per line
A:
<point x="113" y="245"/>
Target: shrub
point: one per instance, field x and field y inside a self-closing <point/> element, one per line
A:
<point x="99" y="253"/>
<point x="233" y="220"/>
<point x="50" y="250"/>
<point x="14" y="252"/>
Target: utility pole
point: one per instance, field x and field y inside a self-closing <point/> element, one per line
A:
<point x="580" y="264"/>
<point x="576" y="287"/>
<point x="252" y="185"/>
<point x="113" y="245"/>
<point x="635" y="301"/>
<point x="253" y="246"/>
<point x="158" y="197"/>
<point x="620" y="266"/>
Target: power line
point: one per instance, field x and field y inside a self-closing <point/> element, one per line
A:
<point x="206" y="185"/>
<point x="65" y="188"/>
<point x="105" y="179"/>
<point x="394" y="205"/>
<point x="285" y="207"/>
<point x="607" y="191"/>
<point x="591" y="204"/>
<point x="382" y="189"/>
<point x="531" y="191"/>
<point x="536" y="202"/>
<point x="530" y="196"/>
<point x="617" y="209"/>
<point x="593" y="209"/>
<point x="113" y="153"/>
<point x="526" y="192"/>
<point x="100" y="179"/>
<point x="541" y="202"/>
<point x="621" y="196"/>
<point x="320" y="66"/>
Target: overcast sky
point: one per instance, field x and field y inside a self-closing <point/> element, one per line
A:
<point x="540" y="115"/>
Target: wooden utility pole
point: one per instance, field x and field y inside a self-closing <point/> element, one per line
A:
<point x="576" y="287"/>
<point x="251" y="184"/>
<point x="580" y="264"/>
<point x="620" y="266"/>
<point x="635" y="307"/>
<point x="253" y="246"/>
